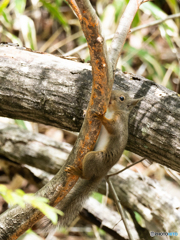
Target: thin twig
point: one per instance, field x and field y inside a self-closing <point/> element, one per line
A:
<point x="134" y="52"/>
<point x="65" y="41"/>
<point x="75" y="50"/>
<point x="154" y="23"/>
<point x="116" y="199"/>
<point x="50" y="40"/>
<point x="110" y="175"/>
<point x="120" y="208"/>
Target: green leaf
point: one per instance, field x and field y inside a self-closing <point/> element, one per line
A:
<point x="3" y="5"/>
<point x="41" y="204"/>
<point x="30" y="234"/>
<point x="136" y="20"/>
<point x="167" y="29"/>
<point x="119" y="7"/>
<point x="11" y="197"/>
<point x="175" y="68"/>
<point x="97" y="196"/>
<point x="151" y="9"/>
<point x="20" y="6"/>
<point x="19" y="197"/>
<point x="28" y="32"/>
<point x="145" y="56"/>
<point x="12" y="37"/>
<point x="138" y="218"/>
<point x="5" y="17"/>
<point x="52" y="8"/>
<point x="173" y="4"/>
<point x="31" y="198"/>
<point x="156" y="69"/>
<point x="58" y="2"/>
<point x="20" y="192"/>
<point x="20" y="123"/>
<point x="49" y="213"/>
<point x="47" y="210"/>
<point x="101" y="232"/>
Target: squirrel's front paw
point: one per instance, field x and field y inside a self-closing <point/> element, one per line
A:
<point x="74" y="170"/>
<point x="97" y="115"/>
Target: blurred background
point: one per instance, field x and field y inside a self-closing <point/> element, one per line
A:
<point x="153" y="52"/>
<point x="51" y="26"/>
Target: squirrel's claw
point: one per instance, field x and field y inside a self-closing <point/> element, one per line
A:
<point x="74" y="170"/>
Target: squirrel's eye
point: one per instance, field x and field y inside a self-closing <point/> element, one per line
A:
<point x="122" y="98"/>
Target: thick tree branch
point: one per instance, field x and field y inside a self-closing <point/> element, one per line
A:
<point x="37" y="150"/>
<point x="122" y="31"/>
<point x="56" y="94"/>
<point x="137" y="194"/>
<point x="101" y="69"/>
<point x="102" y="79"/>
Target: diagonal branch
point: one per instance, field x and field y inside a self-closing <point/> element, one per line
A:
<point x="75" y="8"/>
<point x="101" y="69"/>
<point x="102" y="78"/>
<point x="123" y="30"/>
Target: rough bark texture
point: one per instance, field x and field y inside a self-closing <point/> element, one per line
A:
<point x="36" y="150"/>
<point x="51" y="90"/>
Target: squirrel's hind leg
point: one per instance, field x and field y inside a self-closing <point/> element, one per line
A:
<point x="92" y="164"/>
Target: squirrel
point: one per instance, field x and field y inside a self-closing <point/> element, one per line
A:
<point x="96" y="164"/>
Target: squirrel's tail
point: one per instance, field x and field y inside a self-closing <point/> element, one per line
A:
<point x="72" y="204"/>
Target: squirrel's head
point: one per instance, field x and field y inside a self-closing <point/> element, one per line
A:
<point x="122" y="101"/>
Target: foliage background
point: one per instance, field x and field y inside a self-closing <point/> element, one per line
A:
<point x="51" y="26"/>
